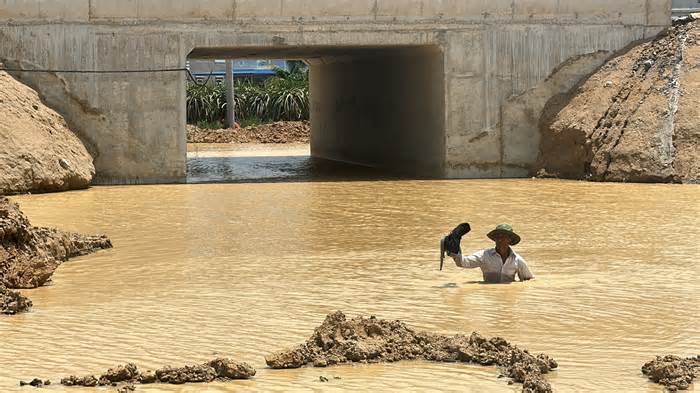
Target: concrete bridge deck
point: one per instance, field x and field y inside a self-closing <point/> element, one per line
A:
<point x="441" y="88"/>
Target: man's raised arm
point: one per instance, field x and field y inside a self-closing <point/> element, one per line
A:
<point x="469" y="261"/>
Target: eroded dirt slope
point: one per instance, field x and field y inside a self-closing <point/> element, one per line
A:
<point x="635" y="119"/>
<point x="38" y="153"/>
<point x="29" y="255"/>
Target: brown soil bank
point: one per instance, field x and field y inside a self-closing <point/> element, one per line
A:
<point x="278" y="132"/>
<point x="673" y="372"/>
<point x="636" y="119"/>
<point x="38" y="153"/>
<point x="29" y="255"/>
<point x="372" y="340"/>
<point x="217" y="369"/>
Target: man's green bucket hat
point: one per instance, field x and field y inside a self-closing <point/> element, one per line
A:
<point x="505" y="229"/>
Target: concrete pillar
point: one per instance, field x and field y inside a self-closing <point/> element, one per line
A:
<point x="230" y="106"/>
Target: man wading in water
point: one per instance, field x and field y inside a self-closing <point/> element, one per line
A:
<point x="499" y="264"/>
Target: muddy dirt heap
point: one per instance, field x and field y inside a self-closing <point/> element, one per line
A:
<point x="12" y="302"/>
<point x="636" y="119"/>
<point x="29" y="255"/>
<point x="673" y="372"/>
<point x="36" y="382"/>
<point x="217" y="369"/>
<point x="372" y="340"/>
<point x="278" y="132"/>
<point x="38" y="153"/>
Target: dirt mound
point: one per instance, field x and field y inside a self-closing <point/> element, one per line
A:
<point x="635" y="119"/>
<point x="38" y="153"/>
<point x="36" y="382"/>
<point x="673" y="372"/>
<point x="12" y="303"/>
<point x="29" y="255"/>
<point x="217" y="369"/>
<point x="279" y="132"/>
<point x="372" y="340"/>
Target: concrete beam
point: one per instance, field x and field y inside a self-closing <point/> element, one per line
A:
<point x="628" y="12"/>
<point x="50" y="10"/>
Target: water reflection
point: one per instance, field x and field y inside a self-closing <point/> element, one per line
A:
<point x="247" y="163"/>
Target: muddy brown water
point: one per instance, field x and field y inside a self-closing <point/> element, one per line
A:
<point x="244" y="269"/>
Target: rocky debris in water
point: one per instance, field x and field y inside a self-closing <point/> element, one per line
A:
<point x="228" y="369"/>
<point x="87" y="381"/>
<point x="38" y="152"/>
<point x="12" y="302"/>
<point x="128" y="388"/>
<point x="278" y="132"/>
<point x="218" y="369"/>
<point x="36" y="382"/>
<point x="673" y="372"/>
<point x="180" y="375"/>
<point x="371" y="340"/>
<point x="29" y="255"/>
<point x="633" y="120"/>
<point x="148" y="376"/>
<point x="120" y="374"/>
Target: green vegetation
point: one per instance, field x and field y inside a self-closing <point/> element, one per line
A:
<point x="282" y="97"/>
<point x="211" y="125"/>
<point x="248" y="122"/>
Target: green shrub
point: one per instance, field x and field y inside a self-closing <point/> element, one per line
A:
<point x="215" y="125"/>
<point x="282" y="97"/>
<point x="205" y="102"/>
<point x="248" y="121"/>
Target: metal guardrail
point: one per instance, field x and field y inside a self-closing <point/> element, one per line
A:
<point x="684" y="11"/>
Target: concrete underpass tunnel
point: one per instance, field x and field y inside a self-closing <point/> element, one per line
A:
<point x="382" y="107"/>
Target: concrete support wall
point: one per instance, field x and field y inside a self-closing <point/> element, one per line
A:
<point x="381" y="108"/>
<point x="490" y="53"/>
<point x="132" y="123"/>
<point x="489" y="68"/>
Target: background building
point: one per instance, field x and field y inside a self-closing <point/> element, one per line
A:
<point x="252" y="69"/>
<point x="683" y="7"/>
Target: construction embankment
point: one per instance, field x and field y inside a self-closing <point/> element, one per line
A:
<point x="636" y="119"/>
<point x="38" y="152"/>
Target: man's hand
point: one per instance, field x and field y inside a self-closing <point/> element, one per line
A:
<point x="453" y="240"/>
<point x="450" y="244"/>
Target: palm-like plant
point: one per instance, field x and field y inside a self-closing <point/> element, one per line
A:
<point x="282" y="97"/>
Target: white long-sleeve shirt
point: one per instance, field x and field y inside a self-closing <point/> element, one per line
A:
<point x="493" y="267"/>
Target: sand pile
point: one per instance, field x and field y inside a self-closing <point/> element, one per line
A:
<point x="278" y="132"/>
<point x="29" y="255"/>
<point x="636" y="119"/>
<point x="371" y="340"/>
<point x="38" y="153"/>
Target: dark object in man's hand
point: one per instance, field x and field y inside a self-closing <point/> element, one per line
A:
<point x="450" y="244"/>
